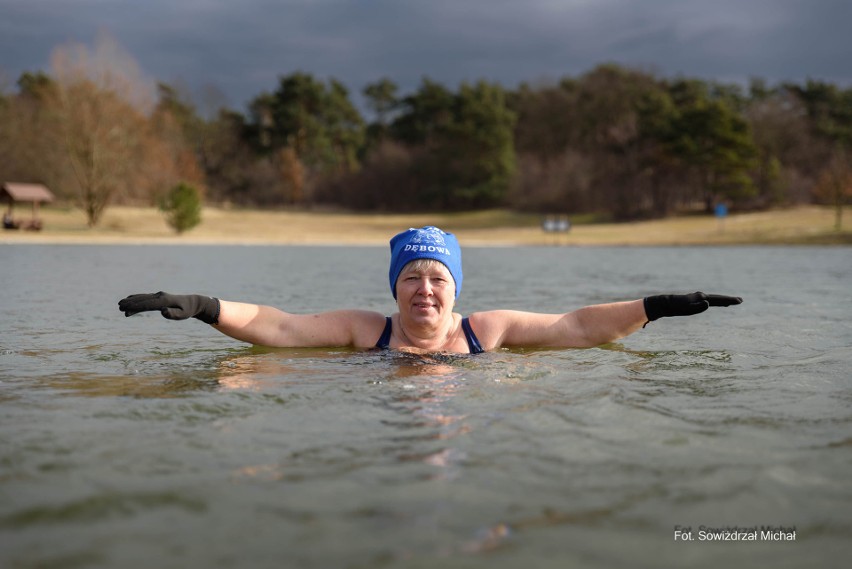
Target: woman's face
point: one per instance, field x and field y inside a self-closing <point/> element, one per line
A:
<point x="425" y="295"/>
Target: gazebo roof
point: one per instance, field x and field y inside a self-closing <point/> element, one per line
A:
<point x="26" y="192"/>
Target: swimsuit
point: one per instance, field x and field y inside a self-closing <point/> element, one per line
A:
<point x="472" y="341"/>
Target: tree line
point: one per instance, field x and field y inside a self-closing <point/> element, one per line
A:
<point x="614" y="141"/>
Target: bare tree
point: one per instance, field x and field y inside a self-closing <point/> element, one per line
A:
<point x="292" y="174"/>
<point x="835" y="183"/>
<point x="28" y="151"/>
<point x="100" y="102"/>
<point x="168" y="156"/>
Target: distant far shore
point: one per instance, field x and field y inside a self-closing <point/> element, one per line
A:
<point x="807" y="225"/>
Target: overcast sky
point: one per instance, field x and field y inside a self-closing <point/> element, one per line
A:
<point x="242" y="47"/>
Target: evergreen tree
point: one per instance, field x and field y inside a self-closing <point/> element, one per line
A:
<point x="713" y="141"/>
<point x="317" y="121"/>
<point x="465" y="144"/>
<point x="382" y="100"/>
<point x="182" y="207"/>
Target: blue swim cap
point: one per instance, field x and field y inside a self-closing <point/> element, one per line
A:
<point x="425" y="243"/>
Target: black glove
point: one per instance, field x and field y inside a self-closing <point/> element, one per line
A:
<point x="685" y="304"/>
<point x="173" y="306"/>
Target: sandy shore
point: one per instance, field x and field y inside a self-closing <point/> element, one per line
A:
<point x="128" y="225"/>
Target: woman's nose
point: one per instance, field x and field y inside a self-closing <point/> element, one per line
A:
<point x="425" y="287"/>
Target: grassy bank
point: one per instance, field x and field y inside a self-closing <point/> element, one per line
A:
<point x="803" y="225"/>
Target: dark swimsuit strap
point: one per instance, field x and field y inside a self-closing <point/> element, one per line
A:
<point x="472" y="341"/>
<point x="384" y="339"/>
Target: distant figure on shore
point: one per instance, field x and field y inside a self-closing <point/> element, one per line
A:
<point x="9" y="222"/>
<point x="425" y="278"/>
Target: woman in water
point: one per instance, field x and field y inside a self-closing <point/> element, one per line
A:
<point x="425" y="279"/>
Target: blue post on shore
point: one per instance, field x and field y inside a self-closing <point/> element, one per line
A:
<point x="721" y="214"/>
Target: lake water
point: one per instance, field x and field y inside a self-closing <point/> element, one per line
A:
<point x="142" y="442"/>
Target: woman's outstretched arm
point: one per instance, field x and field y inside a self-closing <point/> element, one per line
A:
<point x="264" y="325"/>
<point x="588" y="326"/>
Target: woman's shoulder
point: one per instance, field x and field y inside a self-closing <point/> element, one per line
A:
<point x="365" y="326"/>
<point x="490" y="326"/>
<point x="368" y="318"/>
<point x="489" y="317"/>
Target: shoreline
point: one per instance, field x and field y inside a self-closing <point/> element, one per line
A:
<point x="121" y="225"/>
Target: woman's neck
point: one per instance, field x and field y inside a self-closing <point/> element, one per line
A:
<point x="432" y="338"/>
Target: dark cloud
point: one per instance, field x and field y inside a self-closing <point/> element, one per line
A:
<point x="243" y="47"/>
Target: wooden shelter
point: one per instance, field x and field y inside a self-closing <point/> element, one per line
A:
<point x="17" y="192"/>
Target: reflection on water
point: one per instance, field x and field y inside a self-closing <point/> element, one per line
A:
<point x="141" y="442"/>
